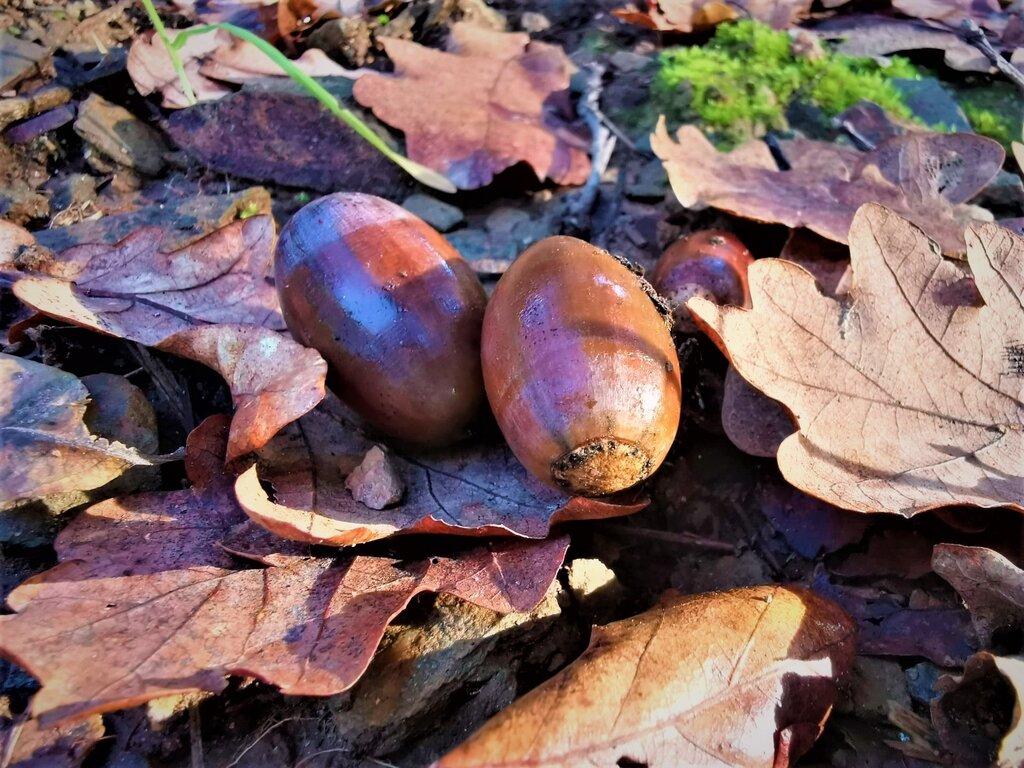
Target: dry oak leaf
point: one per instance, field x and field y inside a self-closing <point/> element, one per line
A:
<point x="211" y="61"/>
<point x="470" y="490"/>
<point x="209" y="301"/>
<point x="45" y="447"/>
<point x="698" y="15"/>
<point x="926" y="177"/>
<point x="662" y="690"/>
<point x="991" y="586"/>
<point x="145" y="603"/>
<point x="907" y="399"/>
<point x="488" y="103"/>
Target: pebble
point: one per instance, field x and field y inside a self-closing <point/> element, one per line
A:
<point x="627" y="61"/>
<point x="534" y="22"/>
<point x="376" y="483"/>
<point x="437" y="213"/>
<point x="116" y="133"/>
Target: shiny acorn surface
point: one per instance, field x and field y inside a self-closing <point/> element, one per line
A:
<point x="392" y="307"/>
<point x="711" y="264"/>
<point x="580" y="369"/>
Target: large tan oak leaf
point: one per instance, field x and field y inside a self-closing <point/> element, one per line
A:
<point x="744" y="679"/>
<point x="488" y="103"/>
<point x="909" y="393"/>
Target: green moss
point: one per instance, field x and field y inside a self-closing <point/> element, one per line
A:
<point x="994" y="110"/>
<point x="739" y="84"/>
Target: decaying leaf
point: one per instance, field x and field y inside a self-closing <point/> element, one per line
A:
<point x="872" y="35"/>
<point x="469" y="490"/>
<point x="978" y="717"/>
<point x="210" y="62"/>
<point x="698" y="15"/>
<point x="991" y="586"/>
<point x="483" y="106"/>
<point x="660" y="689"/>
<point x="987" y="13"/>
<point x="144" y="602"/>
<point x="45" y="447"/>
<point x="26" y="744"/>
<point x="209" y="301"/>
<point x="752" y="421"/>
<point x="926" y="177"/>
<point x="907" y="398"/>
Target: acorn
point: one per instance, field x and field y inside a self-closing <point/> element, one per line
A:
<point x="580" y="369"/>
<point x="711" y="264"/>
<point x="393" y="308"/>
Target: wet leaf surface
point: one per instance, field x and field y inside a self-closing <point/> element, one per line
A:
<point x="938" y="423"/>
<point x="991" y="585"/>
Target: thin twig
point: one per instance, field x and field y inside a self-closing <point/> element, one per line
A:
<point x="602" y="145"/>
<point x="262" y="735"/>
<point x="686" y="539"/>
<point x="195" y="729"/>
<point x="972" y="33"/>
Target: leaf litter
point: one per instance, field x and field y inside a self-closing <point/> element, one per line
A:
<point x="132" y="548"/>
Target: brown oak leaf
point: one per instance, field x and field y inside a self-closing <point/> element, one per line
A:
<point x="697" y="15"/>
<point x="145" y="603"/>
<point x="990" y="585"/>
<point x="211" y="61"/>
<point x="662" y="690"/>
<point x="45" y="447"/>
<point x="926" y="177"/>
<point x="486" y="104"/>
<point x="209" y="301"/>
<point x="907" y="397"/>
<point x="473" y="490"/>
<point x="987" y="13"/>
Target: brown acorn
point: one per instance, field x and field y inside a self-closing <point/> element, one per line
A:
<point x="392" y="307"/>
<point x="711" y="264"/>
<point x="580" y="368"/>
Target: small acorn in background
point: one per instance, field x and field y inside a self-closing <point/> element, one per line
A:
<point x="580" y="368"/>
<point x="711" y="264"/>
<point x="392" y="307"/>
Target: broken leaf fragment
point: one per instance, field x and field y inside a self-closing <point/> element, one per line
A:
<point x="45" y="447"/>
<point x="662" y="690"/>
<point x="145" y="603"/>
<point x="905" y="390"/>
<point x="697" y="15"/>
<point x="925" y="177"/>
<point x="492" y="100"/>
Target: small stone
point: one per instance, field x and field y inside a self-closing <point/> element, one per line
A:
<point x="118" y="134"/>
<point x="921" y="679"/>
<point x="19" y="59"/>
<point x="475" y="244"/>
<point x="504" y="220"/>
<point x="375" y="482"/>
<point x="438" y="214"/>
<point x="590" y="579"/>
<point x="649" y="183"/>
<point x="627" y="61"/>
<point x="534" y="22"/>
